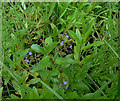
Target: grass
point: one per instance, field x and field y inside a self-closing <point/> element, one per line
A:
<point x="60" y="50"/>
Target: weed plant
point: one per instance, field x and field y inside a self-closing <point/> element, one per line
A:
<point x="60" y="50"/>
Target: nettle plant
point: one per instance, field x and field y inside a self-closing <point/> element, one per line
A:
<point x="60" y="51"/>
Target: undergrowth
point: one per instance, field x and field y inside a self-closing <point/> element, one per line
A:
<point x="60" y="50"/>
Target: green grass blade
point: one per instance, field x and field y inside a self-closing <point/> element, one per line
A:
<point x="112" y="49"/>
<point x="8" y="70"/>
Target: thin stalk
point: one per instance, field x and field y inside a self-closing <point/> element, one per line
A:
<point x="95" y="84"/>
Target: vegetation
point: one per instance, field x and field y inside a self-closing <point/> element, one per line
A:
<point x="60" y="50"/>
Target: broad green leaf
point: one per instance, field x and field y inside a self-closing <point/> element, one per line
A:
<point x="78" y="34"/>
<point x="45" y="62"/>
<point x="51" y="47"/>
<point x="38" y="48"/>
<point x="77" y="53"/>
<point x="78" y="44"/>
<point x="64" y="61"/>
<point x="48" y="41"/>
<point x="33" y="81"/>
<point x="98" y="43"/>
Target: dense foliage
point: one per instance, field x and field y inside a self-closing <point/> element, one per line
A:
<point x="60" y="50"/>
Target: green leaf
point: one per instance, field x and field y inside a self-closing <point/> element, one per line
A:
<point x="38" y="48"/>
<point x="64" y="61"/>
<point x="48" y="40"/>
<point x="31" y="94"/>
<point x="51" y="47"/>
<point x="72" y="95"/>
<point x="19" y="78"/>
<point x="49" y="44"/>
<point x="13" y="36"/>
<point x="91" y="22"/>
<point x="8" y="70"/>
<point x="17" y="87"/>
<point x="52" y="6"/>
<point x="74" y="36"/>
<point x="33" y="81"/>
<point x="64" y="8"/>
<point x="83" y="22"/>
<point x="35" y="90"/>
<point x="94" y="95"/>
<point x="81" y="86"/>
<point x="54" y="27"/>
<point x="1" y="89"/>
<point x="98" y="6"/>
<point x="96" y="43"/>
<point x="78" y="34"/>
<point x="6" y="80"/>
<point x="77" y="53"/>
<point x="88" y="96"/>
<point x="45" y="62"/>
<point x="14" y="96"/>
<point x="62" y="21"/>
